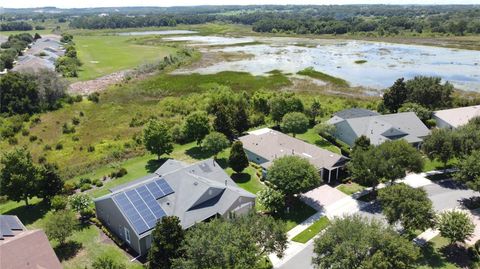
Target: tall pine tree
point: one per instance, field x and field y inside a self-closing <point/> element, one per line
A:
<point x="238" y="160"/>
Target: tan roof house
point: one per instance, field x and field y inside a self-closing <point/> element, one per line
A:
<point x="265" y="145"/>
<point x="24" y="249"/>
<point x="456" y="117"/>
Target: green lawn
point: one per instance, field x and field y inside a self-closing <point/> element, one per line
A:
<point x="434" y="256"/>
<point x="102" y="55"/>
<point x="247" y="180"/>
<point x="311" y="231"/>
<point x="350" y="188"/>
<point x="310" y="136"/>
<point x="437" y="165"/>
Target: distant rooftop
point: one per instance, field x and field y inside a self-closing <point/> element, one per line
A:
<point x="355" y="113"/>
<point x="457" y="117"/>
<point x="24" y="249"/>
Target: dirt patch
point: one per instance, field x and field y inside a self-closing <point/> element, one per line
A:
<point x="96" y="85"/>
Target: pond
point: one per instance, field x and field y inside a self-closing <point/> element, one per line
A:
<point x="211" y="40"/>
<point x="373" y="65"/>
<point x="165" y="32"/>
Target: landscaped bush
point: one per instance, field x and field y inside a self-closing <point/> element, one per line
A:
<point x="68" y="188"/>
<point x="119" y="173"/>
<point x="474" y="251"/>
<point x="87" y="213"/>
<point x="106" y="231"/>
<point x="59" y="202"/>
<point x="85" y="181"/>
<point x="85" y="187"/>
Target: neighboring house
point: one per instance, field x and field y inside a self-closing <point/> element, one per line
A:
<point x="24" y="249"/>
<point x="265" y="145"/>
<point x="350" y="124"/>
<point x="49" y="46"/>
<point x="455" y="117"/>
<point x="193" y="193"/>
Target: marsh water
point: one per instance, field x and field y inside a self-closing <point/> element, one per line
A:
<point x="165" y="32"/>
<point x="373" y="65"/>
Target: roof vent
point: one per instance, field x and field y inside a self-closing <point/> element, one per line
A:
<point x="195" y="183"/>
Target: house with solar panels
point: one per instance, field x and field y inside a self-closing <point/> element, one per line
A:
<point x="192" y="192"/>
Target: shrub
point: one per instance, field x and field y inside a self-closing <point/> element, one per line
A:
<point x="474" y="251"/>
<point x="85" y="187"/>
<point x="119" y="173"/>
<point x="25" y="132"/>
<point x="81" y="114"/>
<point x="12" y="141"/>
<point x="75" y="138"/>
<point x="94" y="97"/>
<point x="430" y="123"/>
<point x="59" y="146"/>
<point x="42" y="159"/>
<point x="47" y="147"/>
<point x="33" y="138"/>
<point x="99" y="183"/>
<point x="78" y="98"/>
<point x="85" y="181"/>
<point x="75" y="121"/>
<point x="91" y="148"/>
<point x="59" y="202"/>
<point x="87" y="213"/>
<point x="68" y="188"/>
<point x="68" y="129"/>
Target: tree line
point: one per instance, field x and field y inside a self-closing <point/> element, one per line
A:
<point x="381" y="20"/>
<point x="16" y="26"/>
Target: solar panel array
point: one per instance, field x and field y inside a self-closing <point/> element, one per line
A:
<point x="8" y="224"/>
<point x="140" y="204"/>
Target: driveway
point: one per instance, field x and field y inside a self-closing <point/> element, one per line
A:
<point x="446" y="194"/>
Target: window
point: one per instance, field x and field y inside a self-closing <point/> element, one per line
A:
<point x="127" y="234"/>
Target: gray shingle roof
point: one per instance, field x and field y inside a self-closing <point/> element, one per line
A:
<point x="271" y="144"/>
<point x="381" y="128"/>
<point x="355" y="113"/>
<point x="201" y="190"/>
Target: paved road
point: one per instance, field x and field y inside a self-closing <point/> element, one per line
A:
<point x="448" y="194"/>
<point x="444" y="195"/>
<point x="303" y="260"/>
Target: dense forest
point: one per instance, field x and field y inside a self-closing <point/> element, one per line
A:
<point x="312" y="20"/>
<point x="378" y="19"/>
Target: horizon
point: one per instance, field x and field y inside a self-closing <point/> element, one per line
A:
<point x="27" y="4"/>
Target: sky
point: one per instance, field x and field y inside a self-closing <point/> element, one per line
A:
<point x="117" y="3"/>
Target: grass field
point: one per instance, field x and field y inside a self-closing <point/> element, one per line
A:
<point x="102" y="55"/>
<point x="436" y="254"/>
<point x="310" y="136"/>
<point x="312" y="230"/>
<point x="310" y="72"/>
